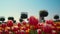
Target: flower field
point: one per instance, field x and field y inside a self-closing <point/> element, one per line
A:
<point x="33" y="27"/>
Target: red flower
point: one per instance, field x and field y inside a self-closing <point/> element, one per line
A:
<point x="22" y="32"/>
<point x="18" y="32"/>
<point x="9" y="23"/>
<point x="1" y="33"/>
<point x="58" y="28"/>
<point x="33" y="20"/>
<point x="3" y="25"/>
<point x="50" y="22"/>
<point x="24" y="23"/>
<point x="6" y="32"/>
<point x="19" y="24"/>
<point x="15" y="29"/>
<point x="39" y="26"/>
<point x="54" y="28"/>
<point x="27" y="32"/>
<point x="39" y="31"/>
<point x="24" y="28"/>
<point x="47" y="28"/>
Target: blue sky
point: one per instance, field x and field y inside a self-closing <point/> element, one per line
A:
<point x="15" y="7"/>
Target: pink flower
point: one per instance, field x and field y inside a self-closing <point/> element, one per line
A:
<point x="9" y="23"/>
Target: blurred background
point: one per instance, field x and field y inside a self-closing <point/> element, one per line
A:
<point x="32" y="7"/>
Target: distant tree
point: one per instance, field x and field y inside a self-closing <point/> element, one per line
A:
<point x="42" y="14"/>
<point x="0" y="23"/>
<point x="24" y="15"/>
<point x="11" y="18"/>
<point x="2" y="19"/>
<point x="14" y="21"/>
<point x="56" y="17"/>
<point x="20" y="20"/>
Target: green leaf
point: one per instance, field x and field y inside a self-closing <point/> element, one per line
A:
<point x="43" y="32"/>
<point x="35" y="32"/>
<point x="31" y="32"/>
